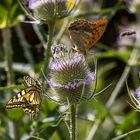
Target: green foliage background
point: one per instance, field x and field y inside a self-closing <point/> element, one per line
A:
<point x="104" y="117"/>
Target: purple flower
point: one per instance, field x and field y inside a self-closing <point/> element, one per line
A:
<point x="70" y="77"/>
<point x="33" y="4"/>
<point x="59" y="64"/>
<point x="138" y="92"/>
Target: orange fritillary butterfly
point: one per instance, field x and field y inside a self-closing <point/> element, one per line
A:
<point x="85" y="34"/>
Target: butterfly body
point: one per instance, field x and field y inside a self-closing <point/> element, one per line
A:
<point x="128" y="33"/>
<point x="59" y="51"/>
<point x="85" y="34"/>
<point x="29" y="99"/>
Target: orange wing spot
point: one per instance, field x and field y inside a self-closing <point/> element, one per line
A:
<point x="100" y="27"/>
<point x="87" y="32"/>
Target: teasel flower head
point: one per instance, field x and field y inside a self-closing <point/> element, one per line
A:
<point x="70" y="77"/>
<point x="45" y="10"/>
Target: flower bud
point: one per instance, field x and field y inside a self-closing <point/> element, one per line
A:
<point x="70" y="78"/>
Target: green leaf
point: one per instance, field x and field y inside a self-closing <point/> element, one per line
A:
<point x="101" y="109"/>
<point x="47" y="132"/>
<point x="15" y="11"/>
<point x="127" y="123"/>
<point x="12" y="87"/>
<point x="14" y="114"/>
<point x="5" y="138"/>
<point x="9" y="12"/>
<point x="3" y="16"/>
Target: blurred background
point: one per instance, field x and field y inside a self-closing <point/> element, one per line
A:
<point x="104" y="117"/>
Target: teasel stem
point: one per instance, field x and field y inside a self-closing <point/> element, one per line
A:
<point x="7" y="44"/>
<point x="73" y="130"/>
<point x="8" y="53"/>
<point x="8" y="58"/>
<point x="48" y="54"/>
<point x="47" y="42"/>
<point x="6" y="34"/>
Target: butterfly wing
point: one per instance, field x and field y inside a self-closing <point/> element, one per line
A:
<point x="28" y="99"/>
<point x="34" y="89"/>
<point x="17" y="101"/>
<point x="33" y="97"/>
<point x="98" y="27"/>
<point x="29" y="81"/>
<point x="58" y="51"/>
<point x="80" y="40"/>
<point x="85" y="34"/>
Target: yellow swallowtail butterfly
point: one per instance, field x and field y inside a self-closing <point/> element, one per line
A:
<point x="29" y="99"/>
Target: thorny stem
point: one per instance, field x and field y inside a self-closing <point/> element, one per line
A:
<point x="133" y="58"/>
<point x="47" y="42"/>
<point x="48" y="49"/>
<point x="73" y="129"/>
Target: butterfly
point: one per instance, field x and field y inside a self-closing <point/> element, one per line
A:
<point x="59" y="51"/>
<point x="85" y="34"/>
<point x="29" y="99"/>
<point x="44" y="10"/>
